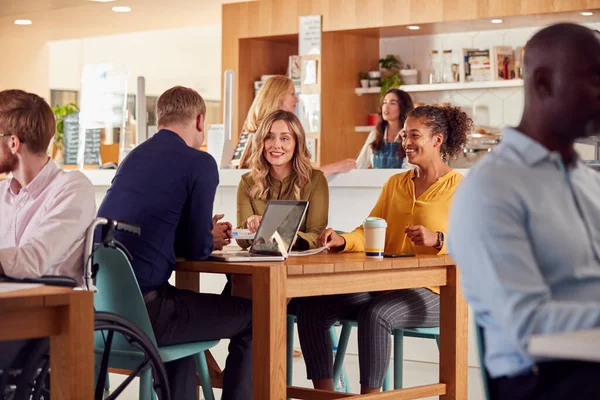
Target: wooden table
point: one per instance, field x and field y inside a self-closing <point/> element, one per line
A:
<point x="67" y="317"/>
<point x="323" y="274"/>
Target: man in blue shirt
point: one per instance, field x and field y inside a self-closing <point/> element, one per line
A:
<point x="168" y="187"/>
<point x="525" y="224"/>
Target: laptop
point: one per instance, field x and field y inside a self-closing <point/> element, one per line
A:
<point x="275" y="236"/>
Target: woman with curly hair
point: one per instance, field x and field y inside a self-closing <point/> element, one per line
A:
<point x="383" y="148"/>
<point x="415" y="205"/>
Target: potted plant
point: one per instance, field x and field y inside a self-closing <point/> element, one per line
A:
<point x="388" y="82"/>
<point x="60" y="112"/>
<point x="364" y="79"/>
<point x="389" y="64"/>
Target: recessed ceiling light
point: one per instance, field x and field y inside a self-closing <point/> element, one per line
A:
<point x="22" y="22"/>
<point x="496" y="21"/>
<point x="414" y="27"/>
<point x="121" y="9"/>
<point x="587" y="13"/>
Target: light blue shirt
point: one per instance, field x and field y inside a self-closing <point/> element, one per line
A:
<point x="525" y="234"/>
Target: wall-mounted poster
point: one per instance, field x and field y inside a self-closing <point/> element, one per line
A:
<point x="309" y="38"/>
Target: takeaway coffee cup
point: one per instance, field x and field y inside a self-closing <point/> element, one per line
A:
<point x="374" y="236"/>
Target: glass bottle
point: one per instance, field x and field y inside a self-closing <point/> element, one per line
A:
<point x="447" y="73"/>
<point x="434" y="68"/>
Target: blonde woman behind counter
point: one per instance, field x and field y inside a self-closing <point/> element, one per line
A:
<point x="279" y="93"/>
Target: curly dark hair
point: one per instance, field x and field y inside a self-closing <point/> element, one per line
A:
<point x="406" y="106"/>
<point x="452" y="122"/>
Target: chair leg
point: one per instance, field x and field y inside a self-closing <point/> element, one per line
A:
<point x="291" y="319"/>
<point x="388" y="379"/>
<point x="202" y="366"/>
<point x="146" y="387"/>
<point x="398" y="358"/>
<point x="342" y="347"/>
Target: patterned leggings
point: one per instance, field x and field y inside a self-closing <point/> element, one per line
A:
<point x="377" y="315"/>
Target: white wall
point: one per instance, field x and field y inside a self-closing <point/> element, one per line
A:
<point x="186" y="56"/>
<point x="504" y="105"/>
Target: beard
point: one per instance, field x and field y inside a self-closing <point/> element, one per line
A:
<point x="8" y="161"/>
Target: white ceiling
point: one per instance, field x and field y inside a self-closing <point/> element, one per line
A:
<point x="67" y="19"/>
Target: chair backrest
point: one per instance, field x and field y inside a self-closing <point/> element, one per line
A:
<point x="485" y="377"/>
<point x="119" y="292"/>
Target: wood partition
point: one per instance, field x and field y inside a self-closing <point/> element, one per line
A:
<point x="258" y="37"/>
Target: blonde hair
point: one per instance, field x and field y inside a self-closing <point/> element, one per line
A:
<point x="300" y="160"/>
<point x="28" y="117"/>
<point x="267" y="100"/>
<point x="179" y="104"/>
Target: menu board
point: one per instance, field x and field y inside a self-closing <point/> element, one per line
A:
<point x="240" y="148"/>
<point x="92" y="142"/>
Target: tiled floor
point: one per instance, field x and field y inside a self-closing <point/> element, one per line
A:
<point x="415" y="373"/>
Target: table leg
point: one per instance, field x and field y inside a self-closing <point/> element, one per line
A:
<point x="269" y="332"/>
<point x="453" y="338"/>
<point x="187" y="280"/>
<point x="72" y="351"/>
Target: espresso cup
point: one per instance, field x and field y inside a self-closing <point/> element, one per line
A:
<point x="374" y="236"/>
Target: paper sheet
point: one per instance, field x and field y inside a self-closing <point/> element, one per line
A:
<point x="308" y="252"/>
<point x="6" y="287"/>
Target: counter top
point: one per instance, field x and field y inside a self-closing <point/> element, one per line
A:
<point x="366" y="178"/>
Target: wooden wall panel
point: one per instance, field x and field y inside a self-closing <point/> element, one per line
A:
<point x="344" y="55"/>
<point x="258" y="57"/>
<point x="268" y="18"/>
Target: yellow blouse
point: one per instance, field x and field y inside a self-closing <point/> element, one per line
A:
<point x="316" y="192"/>
<point x="399" y="207"/>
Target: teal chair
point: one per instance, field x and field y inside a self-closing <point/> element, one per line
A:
<point x="291" y="320"/>
<point x="119" y="293"/>
<point x="399" y="335"/>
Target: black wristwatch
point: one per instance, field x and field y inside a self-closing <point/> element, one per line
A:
<point x="440" y="241"/>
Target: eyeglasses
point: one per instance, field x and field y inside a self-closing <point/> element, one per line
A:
<point x="2" y="134"/>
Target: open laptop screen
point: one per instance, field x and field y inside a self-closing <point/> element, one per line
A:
<point x="278" y="227"/>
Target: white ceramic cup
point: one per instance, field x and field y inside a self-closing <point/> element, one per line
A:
<point x="374" y="236"/>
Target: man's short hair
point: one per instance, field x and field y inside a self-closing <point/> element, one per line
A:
<point x="28" y="117"/>
<point x="179" y="104"/>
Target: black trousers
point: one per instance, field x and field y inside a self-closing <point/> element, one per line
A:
<point x="556" y="380"/>
<point x="182" y="316"/>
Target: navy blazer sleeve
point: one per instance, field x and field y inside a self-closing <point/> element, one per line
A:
<point x="194" y="238"/>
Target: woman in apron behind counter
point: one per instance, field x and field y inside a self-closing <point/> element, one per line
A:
<point x="383" y="148"/>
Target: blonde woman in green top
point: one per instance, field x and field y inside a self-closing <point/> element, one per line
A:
<point x="281" y="170"/>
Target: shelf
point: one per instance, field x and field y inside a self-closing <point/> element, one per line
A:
<point x="439" y="87"/>
<point x="368" y="128"/>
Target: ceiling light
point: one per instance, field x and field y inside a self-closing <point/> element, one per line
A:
<point x="22" y="22"/>
<point x="587" y="13"/>
<point x="121" y="9"/>
<point x="496" y="21"/>
<point x="414" y="27"/>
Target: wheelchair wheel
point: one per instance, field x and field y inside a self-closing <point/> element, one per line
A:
<point x="110" y="324"/>
<point x="33" y="381"/>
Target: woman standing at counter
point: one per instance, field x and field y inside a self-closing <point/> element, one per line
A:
<point x="279" y="93"/>
<point x="415" y="205"/>
<point x="383" y="147"/>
